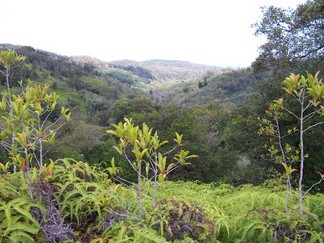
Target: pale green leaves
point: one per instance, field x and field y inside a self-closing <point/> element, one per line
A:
<point x="3" y="103"/>
<point x="156" y="144"/>
<point x="113" y="170"/>
<point x="308" y="92"/>
<point x="288" y="169"/>
<point x="141" y="150"/>
<point x="21" y="138"/>
<point x="139" y="154"/>
<point x="26" y="117"/>
<point x="66" y="113"/>
<point x="10" y="58"/>
<point x="297" y="84"/>
<point x="183" y="156"/>
<point x="4" y="168"/>
<point x="144" y="148"/>
<point x="178" y="139"/>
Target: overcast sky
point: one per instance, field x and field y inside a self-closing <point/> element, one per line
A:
<point x="213" y="32"/>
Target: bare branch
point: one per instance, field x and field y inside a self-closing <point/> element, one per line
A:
<point x="315" y="184"/>
<point x="175" y="166"/>
<point x="292" y="113"/>
<point x="170" y="151"/>
<point x="312" y="126"/>
<point x="129" y="161"/>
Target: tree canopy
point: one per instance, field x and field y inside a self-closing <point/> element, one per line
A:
<point x="295" y="38"/>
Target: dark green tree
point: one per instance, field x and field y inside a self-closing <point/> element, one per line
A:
<point x="295" y="38"/>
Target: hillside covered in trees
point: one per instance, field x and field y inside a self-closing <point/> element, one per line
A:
<point x="121" y="151"/>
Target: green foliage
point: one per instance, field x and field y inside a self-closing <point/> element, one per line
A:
<point x="308" y="91"/>
<point x="250" y="213"/>
<point x="10" y="59"/>
<point x="123" y="76"/>
<point x="294" y="38"/>
<point x="17" y="223"/>
<point x="141" y="150"/>
<point x="9" y="184"/>
<point x="83" y="194"/>
<point x="202" y="84"/>
<point x="128" y="108"/>
<point x="132" y="232"/>
<point x="100" y="211"/>
<point x="80" y="203"/>
<point x="230" y="86"/>
<point x="144" y="73"/>
<point x="176" y="220"/>
<point x="27" y="127"/>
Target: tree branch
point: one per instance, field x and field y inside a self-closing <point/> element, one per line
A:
<point x="170" y="151"/>
<point x="315" y="184"/>
<point x="292" y="113"/>
<point x="312" y="126"/>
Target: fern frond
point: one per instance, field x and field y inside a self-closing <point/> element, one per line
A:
<point x="24" y="228"/>
<point x="21" y="236"/>
<point x="148" y="235"/>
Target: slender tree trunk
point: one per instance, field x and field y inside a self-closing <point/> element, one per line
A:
<point x="139" y="192"/>
<point x="288" y="182"/>
<point x="155" y="189"/>
<point x="302" y="158"/>
<point x="40" y="144"/>
<point x="40" y="153"/>
<point x="288" y="186"/>
<point x="7" y="74"/>
<point x="155" y="181"/>
<point x="7" y="84"/>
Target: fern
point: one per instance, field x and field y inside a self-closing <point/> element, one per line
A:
<point x="19" y="236"/>
<point x="7" y="190"/>
<point x="17" y="222"/>
<point x="147" y="235"/>
<point x="13" y="186"/>
<point x="248" y="213"/>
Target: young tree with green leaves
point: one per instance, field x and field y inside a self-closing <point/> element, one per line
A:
<point x="142" y="150"/>
<point x="9" y="60"/>
<point x="26" y="117"/>
<point x="25" y="128"/>
<point x="27" y="123"/>
<point x="279" y="151"/>
<point x="308" y="94"/>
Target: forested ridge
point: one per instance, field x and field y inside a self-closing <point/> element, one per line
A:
<point x="164" y="150"/>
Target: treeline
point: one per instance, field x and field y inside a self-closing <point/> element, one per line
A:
<point x="224" y="134"/>
<point x="219" y="121"/>
<point x="72" y="167"/>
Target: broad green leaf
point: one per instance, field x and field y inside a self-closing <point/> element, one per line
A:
<point x="178" y="139"/>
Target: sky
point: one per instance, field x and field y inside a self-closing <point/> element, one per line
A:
<point x="211" y="32"/>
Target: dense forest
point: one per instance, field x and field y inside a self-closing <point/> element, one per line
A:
<point x="166" y="151"/>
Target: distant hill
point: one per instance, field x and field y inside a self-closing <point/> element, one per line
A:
<point x="146" y="71"/>
<point x="165" y="82"/>
<point x="229" y="86"/>
<point x="163" y="70"/>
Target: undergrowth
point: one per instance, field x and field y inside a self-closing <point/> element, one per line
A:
<point x="77" y="203"/>
<point x="253" y="213"/>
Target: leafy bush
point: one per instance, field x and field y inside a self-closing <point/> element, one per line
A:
<point x="176" y="220"/>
